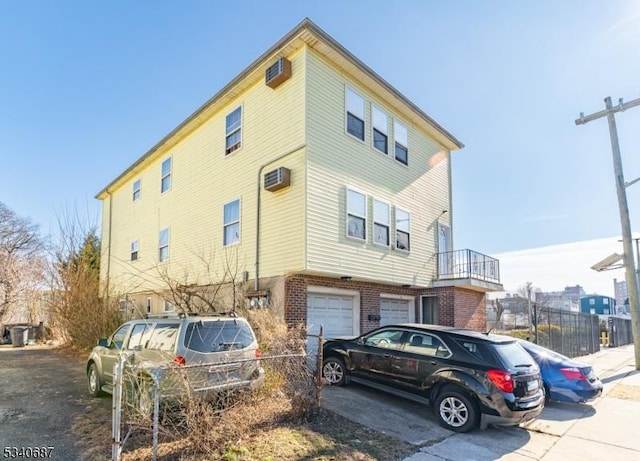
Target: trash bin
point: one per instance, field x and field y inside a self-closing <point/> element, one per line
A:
<point x="19" y="336"/>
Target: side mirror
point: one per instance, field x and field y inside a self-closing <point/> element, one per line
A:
<point x="103" y="342"/>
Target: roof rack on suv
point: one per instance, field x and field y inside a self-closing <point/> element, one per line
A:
<point x="182" y="315"/>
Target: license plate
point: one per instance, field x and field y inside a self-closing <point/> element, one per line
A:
<point x="532" y="385"/>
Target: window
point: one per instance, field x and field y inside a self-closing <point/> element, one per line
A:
<point x="135" y="340"/>
<point x="388" y="339"/>
<point x="424" y="344"/>
<point x="163" y="245"/>
<point x="232" y="223"/>
<point x="355" y="114"/>
<point x="163" y="337"/>
<point x="165" y="181"/>
<point x="605" y="301"/>
<point x="134" y="250"/>
<point x="218" y="336"/>
<point x="592" y="302"/>
<point x="148" y="305"/>
<point x="380" y="223"/>
<point x="379" y="121"/>
<point x="401" y="142"/>
<point x="356" y="214"/>
<point x="403" y="229"/>
<point x="118" y="337"/>
<point x="168" y="306"/>
<point x="136" y="190"/>
<point x="233" y="131"/>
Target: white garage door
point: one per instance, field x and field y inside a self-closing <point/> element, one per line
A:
<point x="333" y="312"/>
<point x="394" y="311"/>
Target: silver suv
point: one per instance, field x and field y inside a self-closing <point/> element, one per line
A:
<point x="213" y="353"/>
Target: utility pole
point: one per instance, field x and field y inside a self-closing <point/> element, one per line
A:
<point x="630" y="272"/>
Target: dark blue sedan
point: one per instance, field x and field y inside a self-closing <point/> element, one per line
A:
<point x="565" y="379"/>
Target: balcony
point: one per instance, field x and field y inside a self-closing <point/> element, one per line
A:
<point x="468" y="269"/>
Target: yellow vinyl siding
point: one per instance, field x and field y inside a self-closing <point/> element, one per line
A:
<point x="203" y="179"/>
<point x="337" y="160"/>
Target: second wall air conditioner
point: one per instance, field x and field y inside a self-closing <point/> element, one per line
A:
<point x="277" y="179"/>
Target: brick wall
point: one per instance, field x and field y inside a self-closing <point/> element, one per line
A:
<point x="457" y="306"/>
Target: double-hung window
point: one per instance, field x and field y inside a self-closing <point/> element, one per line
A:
<point x="134" y="250"/>
<point x="136" y="189"/>
<point x="233" y="131"/>
<point x="163" y="245"/>
<point x="380" y="223"/>
<point x="403" y="229"/>
<point x="355" y="114"/>
<point x="380" y="130"/>
<point x="232" y="223"/>
<point x="165" y="179"/>
<point x="356" y="215"/>
<point x="401" y="136"/>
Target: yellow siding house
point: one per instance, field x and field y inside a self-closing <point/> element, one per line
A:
<point x="312" y="184"/>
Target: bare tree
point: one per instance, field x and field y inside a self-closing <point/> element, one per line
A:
<point x="21" y="264"/>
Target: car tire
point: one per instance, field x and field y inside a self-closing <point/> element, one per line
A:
<point x="334" y="372"/>
<point x="547" y="394"/>
<point x="455" y="410"/>
<point x="94" y="383"/>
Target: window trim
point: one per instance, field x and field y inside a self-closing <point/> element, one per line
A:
<point x="375" y="221"/>
<point x="397" y="143"/>
<point x="238" y="145"/>
<point x="225" y="224"/>
<point x="165" y="176"/>
<point x="374" y="128"/>
<point x="348" y="213"/>
<point x="348" y="88"/>
<point x="161" y="247"/>
<point x="137" y="190"/>
<point x="406" y="250"/>
<point x="134" y="250"/>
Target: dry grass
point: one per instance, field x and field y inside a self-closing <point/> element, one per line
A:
<point x="623" y="391"/>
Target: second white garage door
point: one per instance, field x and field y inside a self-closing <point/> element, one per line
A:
<point x="333" y="312"/>
<point x="395" y="311"/>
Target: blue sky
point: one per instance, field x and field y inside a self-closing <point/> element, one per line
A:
<point x="88" y="87"/>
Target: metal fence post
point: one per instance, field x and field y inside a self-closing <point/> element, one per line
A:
<point x="116" y="410"/>
<point x="156" y="417"/>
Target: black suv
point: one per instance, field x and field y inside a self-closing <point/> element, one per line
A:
<point x="471" y="379"/>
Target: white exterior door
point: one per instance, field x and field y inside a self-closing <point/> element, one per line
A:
<point x="395" y="311"/>
<point x="444" y="245"/>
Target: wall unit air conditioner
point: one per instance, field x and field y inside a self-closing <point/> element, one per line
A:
<point x="278" y="72"/>
<point x="277" y="179"/>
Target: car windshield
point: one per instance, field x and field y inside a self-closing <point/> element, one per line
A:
<point x="514" y="356"/>
<point x="218" y="336"/>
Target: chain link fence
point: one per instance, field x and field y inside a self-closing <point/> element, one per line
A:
<point x="199" y="408"/>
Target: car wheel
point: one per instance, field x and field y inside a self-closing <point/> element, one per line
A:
<point x="333" y="371"/>
<point x="547" y="394"/>
<point x="95" y="386"/>
<point x="455" y="411"/>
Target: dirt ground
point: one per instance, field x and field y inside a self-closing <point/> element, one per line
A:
<point x="45" y="404"/>
<point x="43" y="394"/>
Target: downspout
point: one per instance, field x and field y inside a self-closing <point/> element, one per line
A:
<point x="256" y="285"/>
<point x="109" y="247"/>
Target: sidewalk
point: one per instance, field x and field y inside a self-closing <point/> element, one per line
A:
<point x="607" y="428"/>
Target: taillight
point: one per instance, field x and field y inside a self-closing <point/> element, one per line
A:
<point x="180" y="360"/>
<point x="573" y="373"/>
<point x="258" y="353"/>
<point x="501" y="379"/>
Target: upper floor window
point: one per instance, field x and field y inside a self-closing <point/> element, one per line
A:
<point x="380" y="130"/>
<point x="355" y="114"/>
<point x="148" y="305"/>
<point x="165" y="181"/>
<point x="163" y="245"/>
<point x="401" y="142"/>
<point x="232" y="223"/>
<point x="233" y="131"/>
<point x="380" y="223"/>
<point x="403" y="229"/>
<point x="134" y="250"/>
<point x="356" y="214"/>
<point x="136" y="190"/>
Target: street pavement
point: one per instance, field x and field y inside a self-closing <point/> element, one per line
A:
<point x="606" y="428"/>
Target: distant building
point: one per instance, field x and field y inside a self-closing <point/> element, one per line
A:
<point x="598" y="304"/>
<point x="568" y="300"/>
<point x="620" y="292"/>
